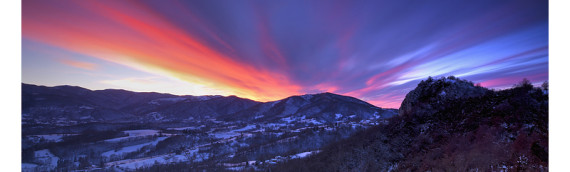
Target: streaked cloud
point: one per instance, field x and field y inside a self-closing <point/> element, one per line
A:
<point x="79" y="64"/>
<point x="375" y="50"/>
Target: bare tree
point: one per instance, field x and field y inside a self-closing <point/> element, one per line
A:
<point x="545" y="85"/>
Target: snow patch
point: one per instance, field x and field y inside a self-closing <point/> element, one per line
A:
<point x="288" y="119"/>
<point x="137" y="133"/>
<point x="187" y="128"/>
<point x="338" y="116"/>
<point x="133" y="148"/>
<point x="50" y="137"/>
<point x="304" y="154"/>
<point x="313" y="121"/>
<point x="307" y="96"/>
<point x="204" y="98"/>
<point x="29" y="167"/>
<point x="167" y="100"/>
<point x="132" y="164"/>
<point x="240" y="168"/>
<point x="248" y="127"/>
<point x="376" y="116"/>
<point x="274" y="103"/>
<point x="134" y="134"/>
<point x="86" y="117"/>
<point x="46" y="158"/>
<point x="225" y="135"/>
<point x="157" y="116"/>
<point x="449" y="81"/>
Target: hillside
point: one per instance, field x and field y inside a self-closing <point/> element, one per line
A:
<point x="68" y="128"/>
<point x="69" y="105"/>
<point x="448" y="124"/>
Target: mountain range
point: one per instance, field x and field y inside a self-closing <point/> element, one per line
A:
<point x="70" y="105"/>
<point x="444" y="124"/>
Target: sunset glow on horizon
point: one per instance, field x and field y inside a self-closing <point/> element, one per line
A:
<point x="267" y="50"/>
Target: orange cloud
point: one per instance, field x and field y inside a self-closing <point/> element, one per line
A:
<point x="79" y="64"/>
<point x="138" y="38"/>
<point x="386" y="104"/>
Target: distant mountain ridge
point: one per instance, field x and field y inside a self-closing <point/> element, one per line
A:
<point x="71" y="104"/>
<point x="324" y="107"/>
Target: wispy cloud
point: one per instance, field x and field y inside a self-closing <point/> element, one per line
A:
<point x="79" y="64"/>
<point x="267" y="50"/>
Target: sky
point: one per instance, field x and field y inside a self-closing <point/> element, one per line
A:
<point x="376" y="51"/>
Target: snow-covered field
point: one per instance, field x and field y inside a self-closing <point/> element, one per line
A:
<point x="133" y="148"/>
<point x="241" y="165"/>
<point x="299" y="155"/>
<point x="134" y="134"/>
<point x="141" y="132"/>
<point x="234" y="133"/>
<point x="225" y="135"/>
<point x="28" y="167"/>
<point x="302" y="119"/>
<point x="46" y="159"/>
<point x="184" y="128"/>
<point x="248" y="127"/>
<point x="338" y="116"/>
<point x="50" y="137"/>
<point x="132" y="164"/>
<point x="304" y="154"/>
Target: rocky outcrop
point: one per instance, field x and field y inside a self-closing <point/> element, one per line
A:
<point x="448" y="125"/>
<point x="430" y="95"/>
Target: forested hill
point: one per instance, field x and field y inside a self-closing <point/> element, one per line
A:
<point x="448" y="124"/>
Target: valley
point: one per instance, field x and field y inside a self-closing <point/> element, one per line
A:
<point x="84" y="137"/>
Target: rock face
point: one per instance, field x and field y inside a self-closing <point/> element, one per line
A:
<point x="430" y="95"/>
